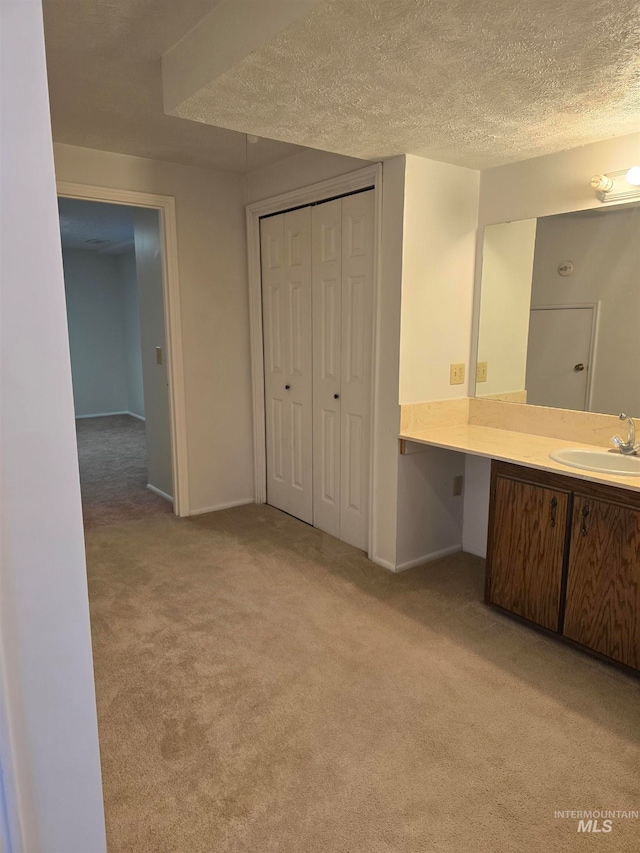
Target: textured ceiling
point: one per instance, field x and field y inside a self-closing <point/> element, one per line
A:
<point x="82" y="221"/>
<point x="473" y="82"/>
<point x="103" y="59"/>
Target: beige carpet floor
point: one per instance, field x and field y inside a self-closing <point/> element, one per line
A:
<point x="112" y="452"/>
<point x="263" y="687"/>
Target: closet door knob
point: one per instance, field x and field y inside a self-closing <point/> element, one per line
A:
<point x="286" y="387"/>
<point x="336" y="396"/>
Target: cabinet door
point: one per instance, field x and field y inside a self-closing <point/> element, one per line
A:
<point x="603" y="584"/>
<point x="528" y="533"/>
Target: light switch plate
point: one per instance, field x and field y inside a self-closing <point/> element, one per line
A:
<point x="456" y="374"/>
<point x="481" y="371"/>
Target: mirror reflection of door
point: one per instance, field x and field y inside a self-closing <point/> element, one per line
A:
<point x="559" y="357"/>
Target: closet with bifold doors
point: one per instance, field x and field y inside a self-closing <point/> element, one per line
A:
<point x="317" y="309"/>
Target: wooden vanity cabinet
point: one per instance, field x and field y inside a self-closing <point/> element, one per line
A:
<point x="527" y="556"/>
<point x="603" y="580"/>
<point x="564" y="554"/>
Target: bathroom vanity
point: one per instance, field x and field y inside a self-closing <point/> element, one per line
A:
<point x="552" y="366"/>
<point x="563" y="551"/>
<point x="564" y="555"/>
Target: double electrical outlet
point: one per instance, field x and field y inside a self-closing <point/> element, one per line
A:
<point x="456" y="373"/>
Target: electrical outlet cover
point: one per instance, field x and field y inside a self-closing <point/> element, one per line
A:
<point x="456" y="374"/>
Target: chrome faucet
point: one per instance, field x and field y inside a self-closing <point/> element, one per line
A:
<point x="629" y="447"/>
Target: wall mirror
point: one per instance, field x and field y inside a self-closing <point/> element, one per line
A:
<point x="560" y="311"/>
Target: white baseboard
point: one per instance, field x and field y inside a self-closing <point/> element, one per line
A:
<point x="229" y="505"/>
<point x="100" y="415"/>
<point x="477" y="552"/>
<point x="110" y="415"/>
<point x="160" y="493"/>
<point x="428" y="558"/>
<point x="384" y="563"/>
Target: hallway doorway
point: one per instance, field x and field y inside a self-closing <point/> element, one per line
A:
<point x="112" y="256"/>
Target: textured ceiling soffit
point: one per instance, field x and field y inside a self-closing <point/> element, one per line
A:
<point x="472" y="83"/>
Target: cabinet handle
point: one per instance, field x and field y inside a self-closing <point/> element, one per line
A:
<point x="585" y="513"/>
<point x="554" y="506"/>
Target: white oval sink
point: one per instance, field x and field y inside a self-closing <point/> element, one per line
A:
<point x="598" y="460"/>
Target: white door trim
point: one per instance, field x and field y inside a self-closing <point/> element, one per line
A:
<point x="166" y="206"/>
<point x="595" y="319"/>
<point x="369" y="176"/>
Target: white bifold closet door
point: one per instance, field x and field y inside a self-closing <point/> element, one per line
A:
<point x="319" y="343"/>
<point x="286" y="312"/>
<point x="342" y="286"/>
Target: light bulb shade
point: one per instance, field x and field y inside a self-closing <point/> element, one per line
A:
<point x="633" y="176"/>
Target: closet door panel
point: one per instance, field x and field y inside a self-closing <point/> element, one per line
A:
<point x="357" y="352"/>
<point x="275" y="344"/>
<point x="327" y="343"/>
<point x="286" y="304"/>
<point x="298" y="362"/>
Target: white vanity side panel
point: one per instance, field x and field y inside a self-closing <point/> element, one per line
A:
<point x="476" y="505"/>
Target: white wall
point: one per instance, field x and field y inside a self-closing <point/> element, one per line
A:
<point x="555" y="183"/>
<point x="507" y="271"/>
<point x="439" y="243"/>
<point x="214" y="307"/>
<point x="104" y="332"/>
<point x="126" y="265"/>
<point x="52" y="762"/>
<point x="605" y="250"/>
<point x="104" y="359"/>
<point x="148" y="248"/>
<point x="440" y="223"/>
<point x="543" y="186"/>
<point x="429" y="516"/>
<point x="301" y="170"/>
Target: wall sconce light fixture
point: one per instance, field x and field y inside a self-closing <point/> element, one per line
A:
<point x="618" y="186"/>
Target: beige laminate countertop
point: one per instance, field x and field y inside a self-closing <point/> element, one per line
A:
<point x="520" y="448"/>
